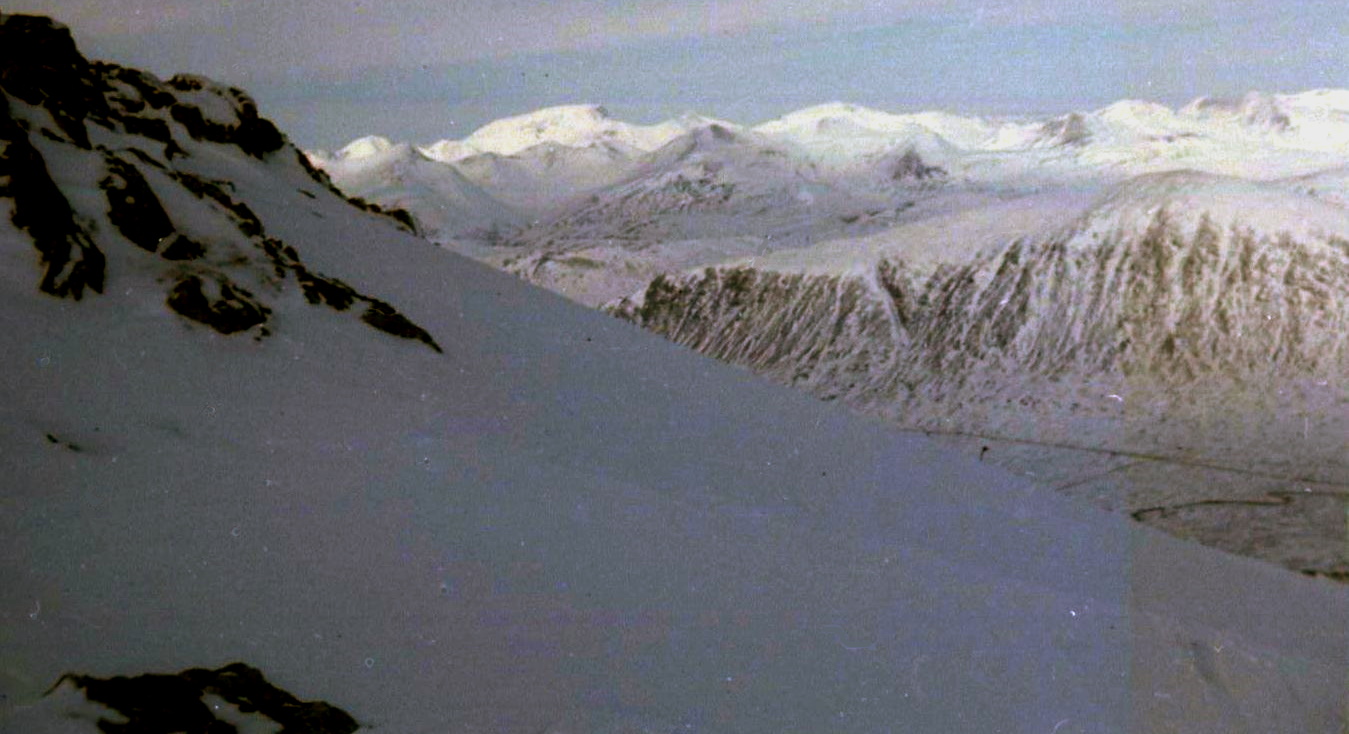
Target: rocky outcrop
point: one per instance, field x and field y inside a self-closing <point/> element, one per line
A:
<point x="242" y="128"/>
<point x="40" y="66"/>
<point x="911" y="167"/>
<point x="133" y="207"/>
<point x="221" y="305"/>
<point x="70" y="260"/>
<point x="158" y="702"/>
<point x="63" y="119"/>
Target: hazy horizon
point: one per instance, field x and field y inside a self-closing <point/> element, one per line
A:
<point x="329" y="71"/>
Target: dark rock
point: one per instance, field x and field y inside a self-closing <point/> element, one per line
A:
<point x="230" y="312"/>
<point x="71" y="261"/>
<point x="244" y="217"/>
<point x="133" y="207"/>
<point x="40" y="65"/>
<point x="402" y="216"/>
<point x="147" y="127"/>
<point x="152" y="91"/>
<point x="382" y="316"/>
<point x="320" y="290"/>
<point x="157" y="703"/>
<point x="180" y="247"/>
<point x="249" y="132"/>
<point x="910" y="167"/>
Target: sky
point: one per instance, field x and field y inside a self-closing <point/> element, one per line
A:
<point x="329" y="71"/>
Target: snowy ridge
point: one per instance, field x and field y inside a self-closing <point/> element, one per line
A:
<point x="1103" y="284"/>
<point x="546" y="177"/>
<point x="710" y="195"/>
<point x="570" y="125"/>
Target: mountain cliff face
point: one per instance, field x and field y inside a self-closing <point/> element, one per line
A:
<point x="1161" y="298"/>
<point x="115" y="175"/>
<point x="1168" y="320"/>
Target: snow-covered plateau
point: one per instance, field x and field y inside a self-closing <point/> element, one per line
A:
<point x="272" y="461"/>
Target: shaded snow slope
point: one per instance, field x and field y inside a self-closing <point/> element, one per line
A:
<point x="560" y="523"/>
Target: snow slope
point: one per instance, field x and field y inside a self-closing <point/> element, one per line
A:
<point x="558" y="524"/>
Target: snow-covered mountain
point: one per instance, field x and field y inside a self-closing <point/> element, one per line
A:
<point x="1184" y="317"/>
<point x="443" y="203"/>
<point x="504" y="174"/>
<point x="712" y="194"/>
<point x="557" y="524"/>
<point x="545" y="178"/>
<point x="575" y="126"/>
<point x="839" y="134"/>
<point x="814" y="206"/>
<point x="594" y="207"/>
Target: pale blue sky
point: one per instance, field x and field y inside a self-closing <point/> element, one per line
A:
<point x="421" y="70"/>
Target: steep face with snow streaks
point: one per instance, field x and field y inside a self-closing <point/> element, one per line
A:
<point x="1201" y="323"/>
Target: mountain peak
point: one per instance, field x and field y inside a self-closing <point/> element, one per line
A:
<point x="567" y="124"/>
<point x="365" y="147"/>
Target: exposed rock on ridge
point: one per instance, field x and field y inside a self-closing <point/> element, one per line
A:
<point x="62" y="117"/>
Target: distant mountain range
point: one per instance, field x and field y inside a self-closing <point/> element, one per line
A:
<point x="572" y="184"/>
<point x="979" y="276"/>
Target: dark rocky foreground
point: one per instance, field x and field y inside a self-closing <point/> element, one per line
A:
<point x="165" y="703"/>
